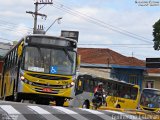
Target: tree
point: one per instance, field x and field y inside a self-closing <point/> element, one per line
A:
<point x="156" y="35"/>
<point x="15" y="42"/>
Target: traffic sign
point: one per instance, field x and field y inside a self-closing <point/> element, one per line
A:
<point x="153" y="62"/>
<point x="53" y="69"/>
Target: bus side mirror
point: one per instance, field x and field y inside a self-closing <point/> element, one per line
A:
<point x="20" y="49"/>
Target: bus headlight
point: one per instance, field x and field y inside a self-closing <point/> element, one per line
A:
<point x="25" y="80"/>
<point x="64" y="86"/>
<point x="22" y="78"/>
<point x="72" y="83"/>
<point x="68" y="85"/>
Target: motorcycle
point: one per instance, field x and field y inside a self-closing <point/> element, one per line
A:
<point x="99" y="100"/>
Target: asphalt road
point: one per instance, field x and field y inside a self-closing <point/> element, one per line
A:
<point x="25" y="111"/>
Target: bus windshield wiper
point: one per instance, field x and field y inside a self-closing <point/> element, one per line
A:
<point x="69" y="56"/>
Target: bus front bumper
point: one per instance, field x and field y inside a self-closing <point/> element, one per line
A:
<point x="29" y="92"/>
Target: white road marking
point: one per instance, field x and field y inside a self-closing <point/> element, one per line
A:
<point x="99" y="114"/>
<point x="12" y="112"/>
<point x="43" y="112"/>
<point x="9" y="109"/>
<point x="70" y="112"/>
<point x="67" y="111"/>
<point x="121" y="114"/>
<point x="39" y="110"/>
<point x="91" y="111"/>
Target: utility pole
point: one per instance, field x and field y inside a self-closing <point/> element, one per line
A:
<point x="36" y="14"/>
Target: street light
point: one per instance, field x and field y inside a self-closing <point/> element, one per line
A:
<point x="58" y="20"/>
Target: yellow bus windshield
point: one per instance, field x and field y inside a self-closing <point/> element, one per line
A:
<point x="150" y="98"/>
<point x="49" y="60"/>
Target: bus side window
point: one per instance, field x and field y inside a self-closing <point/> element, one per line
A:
<point x="105" y="85"/>
<point x="127" y="92"/>
<point x="86" y="85"/>
<point x="121" y="90"/>
<point x="134" y="92"/>
<point x="115" y="89"/>
<point x="91" y="86"/>
<point x="110" y="89"/>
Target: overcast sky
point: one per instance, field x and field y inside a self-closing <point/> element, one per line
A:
<point x="110" y="22"/>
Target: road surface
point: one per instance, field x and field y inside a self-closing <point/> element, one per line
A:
<point x="25" y="111"/>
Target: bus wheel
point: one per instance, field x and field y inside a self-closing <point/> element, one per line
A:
<point x="60" y="102"/>
<point x="118" y="106"/>
<point x="86" y="105"/>
<point x="17" y="97"/>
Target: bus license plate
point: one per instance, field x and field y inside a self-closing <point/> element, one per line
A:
<point x="47" y="90"/>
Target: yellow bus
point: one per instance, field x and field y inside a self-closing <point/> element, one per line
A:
<point x="119" y="94"/>
<point x="41" y="68"/>
<point x="150" y="99"/>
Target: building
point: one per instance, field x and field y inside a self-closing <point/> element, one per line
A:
<point x="152" y="78"/>
<point x="4" y="48"/>
<point x="110" y="64"/>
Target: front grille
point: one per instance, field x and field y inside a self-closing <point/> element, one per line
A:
<point x="149" y="109"/>
<point x="47" y="85"/>
<point x="48" y="77"/>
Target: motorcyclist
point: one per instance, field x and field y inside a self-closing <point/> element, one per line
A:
<point x="98" y="93"/>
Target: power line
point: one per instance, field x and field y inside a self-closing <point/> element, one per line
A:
<point x="99" y="22"/>
<point x="5" y="39"/>
<point x="113" y="44"/>
<point x="12" y="24"/>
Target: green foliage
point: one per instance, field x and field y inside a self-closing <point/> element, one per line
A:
<point x="156" y="35"/>
<point x="15" y="42"/>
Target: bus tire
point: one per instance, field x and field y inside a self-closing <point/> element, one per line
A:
<point x="86" y="104"/>
<point x="60" y="102"/>
<point x="17" y="97"/>
<point x="118" y="106"/>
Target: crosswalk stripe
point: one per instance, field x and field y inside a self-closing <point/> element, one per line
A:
<point x="100" y="114"/>
<point x="39" y="110"/>
<point x="70" y="112"/>
<point x="9" y="109"/>
<point x="121" y="114"/>
<point x="92" y="111"/>
<point x="43" y="112"/>
<point x="65" y="110"/>
<point x="12" y="112"/>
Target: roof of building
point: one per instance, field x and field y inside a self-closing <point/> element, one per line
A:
<point x="107" y="56"/>
<point x="153" y="70"/>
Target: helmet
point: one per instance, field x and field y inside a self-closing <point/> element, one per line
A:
<point x="100" y="83"/>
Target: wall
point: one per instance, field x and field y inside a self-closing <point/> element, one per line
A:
<point x="134" y="76"/>
<point x="156" y="80"/>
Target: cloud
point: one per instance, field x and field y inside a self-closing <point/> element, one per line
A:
<point x="138" y="21"/>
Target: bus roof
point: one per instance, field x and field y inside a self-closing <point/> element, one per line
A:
<point x="37" y="36"/>
<point x="151" y="89"/>
<point x="50" y="36"/>
<point x="110" y="79"/>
